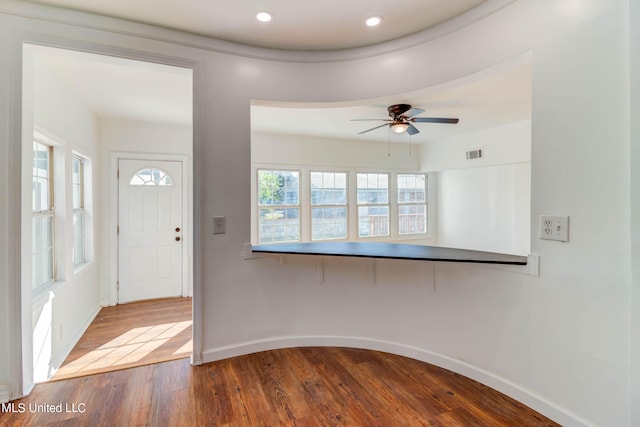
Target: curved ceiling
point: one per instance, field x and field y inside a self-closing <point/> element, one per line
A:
<point x="487" y="99"/>
<point x="121" y="88"/>
<point x="296" y="25"/>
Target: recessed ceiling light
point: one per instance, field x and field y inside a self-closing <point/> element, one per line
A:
<point x="373" y="21"/>
<point x="264" y="16"/>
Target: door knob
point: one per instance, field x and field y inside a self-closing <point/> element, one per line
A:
<point x="177" y="238"/>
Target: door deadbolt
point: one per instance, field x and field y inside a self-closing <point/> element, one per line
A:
<point x="177" y="229"/>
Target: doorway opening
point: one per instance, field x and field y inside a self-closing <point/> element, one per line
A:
<point x="91" y="243"/>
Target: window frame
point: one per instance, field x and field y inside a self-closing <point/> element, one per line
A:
<point x="79" y="210"/>
<point x="164" y="179"/>
<point x="388" y="205"/>
<point x="298" y="206"/>
<point x="424" y="203"/>
<point x="48" y="212"/>
<point x="306" y="206"/>
<point x="345" y="205"/>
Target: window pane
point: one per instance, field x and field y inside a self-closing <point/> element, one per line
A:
<point x="412" y="208"/>
<point x="76" y="182"/>
<point x="40" y="194"/>
<point x="373" y="188"/>
<point x="278" y="188"/>
<point x="412" y="219"/>
<point x="328" y="188"/>
<point x="78" y="254"/>
<point x="328" y="223"/>
<point x="41" y="160"/>
<point x="41" y="199"/>
<point x="278" y="225"/>
<point x="373" y="221"/>
<point x="411" y="188"/>
<point x="151" y="176"/>
<point x="42" y="247"/>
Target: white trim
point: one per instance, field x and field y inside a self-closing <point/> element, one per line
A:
<point x="4" y="393"/>
<point x="20" y="304"/>
<point x="19" y="294"/>
<point x="503" y="385"/>
<point x="532" y="268"/>
<point x="113" y="217"/>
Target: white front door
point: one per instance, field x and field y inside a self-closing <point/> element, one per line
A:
<point x="150" y="229"/>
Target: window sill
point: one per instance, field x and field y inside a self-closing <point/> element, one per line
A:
<point x="45" y="293"/>
<point x="391" y="251"/>
<point x="81" y="268"/>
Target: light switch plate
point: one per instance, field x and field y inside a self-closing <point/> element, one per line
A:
<point x="554" y="228"/>
<point x="219" y="225"/>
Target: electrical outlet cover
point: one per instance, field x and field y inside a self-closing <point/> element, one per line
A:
<point x="554" y="228"/>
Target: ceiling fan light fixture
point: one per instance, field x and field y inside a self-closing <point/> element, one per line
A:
<point x="373" y="21"/>
<point x="399" y="127"/>
<point x="264" y="16"/>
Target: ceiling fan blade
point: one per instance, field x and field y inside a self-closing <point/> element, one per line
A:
<point x="373" y="128"/>
<point x="434" y="120"/>
<point x="413" y="112"/>
<point x="369" y="120"/>
<point x="412" y="130"/>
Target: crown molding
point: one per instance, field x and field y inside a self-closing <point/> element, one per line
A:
<point x="124" y="27"/>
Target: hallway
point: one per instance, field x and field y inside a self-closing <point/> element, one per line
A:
<point x="130" y="335"/>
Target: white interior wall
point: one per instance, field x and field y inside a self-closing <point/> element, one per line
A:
<point x="634" y="95"/>
<point x="501" y="145"/>
<point x="269" y="148"/>
<point x="63" y="312"/>
<point x="484" y="204"/>
<point x="486" y="208"/>
<point x="126" y="135"/>
<point x="558" y="341"/>
<point x="10" y="301"/>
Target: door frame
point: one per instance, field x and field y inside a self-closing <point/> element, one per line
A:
<point x="19" y="292"/>
<point x="114" y="209"/>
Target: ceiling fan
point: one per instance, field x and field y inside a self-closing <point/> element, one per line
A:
<point x="403" y="117"/>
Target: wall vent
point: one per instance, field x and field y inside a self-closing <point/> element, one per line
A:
<point x="474" y="154"/>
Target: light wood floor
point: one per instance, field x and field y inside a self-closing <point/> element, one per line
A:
<point x="313" y="386"/>
<point x="129" y="335"/>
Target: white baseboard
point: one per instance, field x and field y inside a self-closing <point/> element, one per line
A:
<point x="4" y="393"/>
<point x="503" y="385"/>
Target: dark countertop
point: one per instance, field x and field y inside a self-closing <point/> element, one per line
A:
<point x="391" y="251"/>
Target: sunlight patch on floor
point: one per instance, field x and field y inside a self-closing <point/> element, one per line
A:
<point x="131" y="347"/>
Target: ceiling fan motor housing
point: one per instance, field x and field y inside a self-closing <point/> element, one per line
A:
<point x="398" y="109"/>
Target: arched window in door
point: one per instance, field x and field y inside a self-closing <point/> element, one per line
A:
<point x="151" y="176"/>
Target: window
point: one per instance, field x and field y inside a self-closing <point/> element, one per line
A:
<point x="373" y="204"/>
<point x="278" y="206"/>
<point x="339" y="205"/>
<point x="77" y="185"/>
<point x="151" y="176"/>
<point x="412" y="207"/>
<point x="43" y="262"/>
<point x="328" y="205"/>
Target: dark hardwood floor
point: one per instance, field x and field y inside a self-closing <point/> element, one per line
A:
<point x="312" y="386"/>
